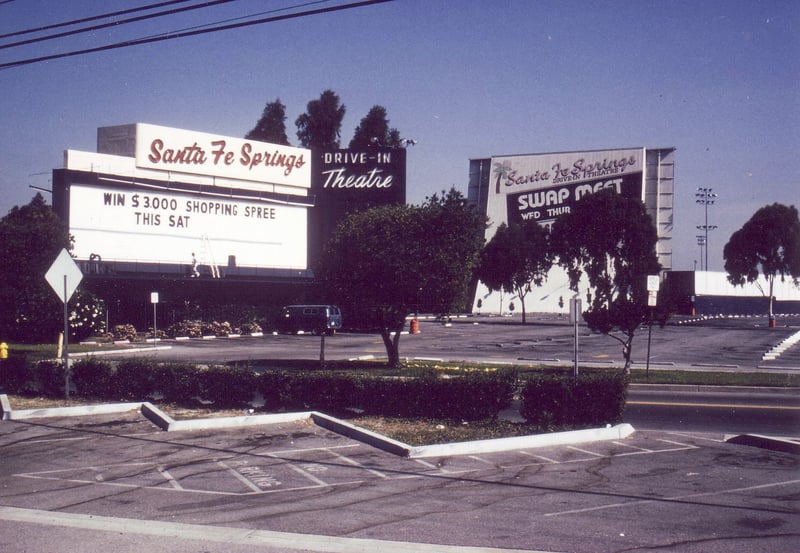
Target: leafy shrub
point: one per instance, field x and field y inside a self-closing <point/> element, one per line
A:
<point x="86" y="316"/>
<point x="469" y="397"/>
<point x="179" y="383"/>
<point x="50" y="378"/>
<point x="92" y="378"/>
<point x="198" y="329"/>
<point x="228" y="387"/>
<point x="136" y="379"/>
<point x="124" y="332"/>
<point x="590" y="399"/>
<point x="251" y="327"/>
<point x="190" y="328"/>
<point x="16" y="376"/>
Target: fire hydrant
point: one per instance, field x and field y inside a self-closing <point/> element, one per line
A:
<point x="3" y="350"/>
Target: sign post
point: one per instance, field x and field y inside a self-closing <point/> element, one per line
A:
<point x="63" y="276"/>
<point x="574" y="316"/>
<point x="154" y="301"/>
<point x="653" y="284"/>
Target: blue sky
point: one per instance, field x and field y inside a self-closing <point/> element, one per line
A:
<point x="718" y="80"/>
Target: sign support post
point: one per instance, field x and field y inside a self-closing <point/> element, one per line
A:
<point x="154" y="301"/>
<point x="653" y="284"/>
<point x="66" y="342"/>
<point x="574" y="315"/>
<point x="63" y="276"/>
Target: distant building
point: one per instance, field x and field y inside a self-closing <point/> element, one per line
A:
<point x="542" y="187"/>
<point x="710" y="293"/>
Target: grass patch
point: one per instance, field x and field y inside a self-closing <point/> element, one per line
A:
<point x="417" y="432"/>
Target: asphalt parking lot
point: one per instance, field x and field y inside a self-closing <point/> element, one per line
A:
<point x="718" y="344"/>
<point x="119" y="482"/>
<point x="87" y="483"/>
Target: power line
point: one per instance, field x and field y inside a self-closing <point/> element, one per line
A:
<point x="92" y="18"/>
<point x="184" y="34"/>
<point x="115" y="23"/>
<point x="240" y="18"/>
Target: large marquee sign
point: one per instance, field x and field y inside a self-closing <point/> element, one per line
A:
<point x="166" y="200"/>
<point x="541" y="187"/>
<point x="161" y="226"/>
<point x="376" y="176"/>
<point x="168" y="149"/>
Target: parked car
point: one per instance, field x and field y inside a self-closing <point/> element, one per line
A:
<point x="310" y="318"/>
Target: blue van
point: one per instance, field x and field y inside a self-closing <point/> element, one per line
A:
<point x="310" y="318"/>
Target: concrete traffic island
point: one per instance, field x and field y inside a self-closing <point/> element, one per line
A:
<point x="168" y="424"/>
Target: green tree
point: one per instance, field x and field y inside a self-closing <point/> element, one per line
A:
<point x="769" y="240"/>
<point x="32" y="237"/>
<point x="373" y="131"/>
<point x="384" y="263"/>
<point x="516" y="258"/>
<point x="272" y="125"/>
<point x="450" y="245"/>
<point x="320" y="127"/>
<point x="611" y="239"/>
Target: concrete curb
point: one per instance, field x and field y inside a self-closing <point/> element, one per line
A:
<point x="785" y="445"/>
<point x="168" y="424"/>
<point x="80" y="410"/>
<point x="617" y="432"/>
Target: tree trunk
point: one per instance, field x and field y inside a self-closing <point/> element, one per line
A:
<point x="391" y="341"/>
<point x="627" y="348"/>
<point x="771" y="280"/>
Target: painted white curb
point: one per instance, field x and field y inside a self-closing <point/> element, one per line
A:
<point x="168" y="424"/>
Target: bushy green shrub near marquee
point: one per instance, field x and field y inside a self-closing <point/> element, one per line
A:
<point x="472" y="396"/>
<point x="549" y="400"/>
<point x="49" y="378"/>
<point x="227" y="387"/>
<point x="591" y="399"/>
<point x="136" y="379"/>
<point x="15" y="376"/>
<point x="124" y="332"/>
<point x="198" y="329"/>
<point x="178" y="383"/>
<point x="92" y="377"/>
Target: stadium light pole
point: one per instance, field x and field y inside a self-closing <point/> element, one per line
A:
<point x="705" y="196"/>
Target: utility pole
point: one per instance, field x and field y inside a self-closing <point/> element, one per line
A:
<point x="705" y="196"/>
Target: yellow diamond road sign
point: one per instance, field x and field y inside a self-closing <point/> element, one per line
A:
<point x="64" y="275"/>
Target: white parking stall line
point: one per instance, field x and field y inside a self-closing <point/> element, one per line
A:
<point x="697" y="437"/>
<point x="542" y="457"/>
<point x="586" y="451"/>
<point x="308" y="475"/>
<point x="482" y="460"/>
<point x="673" y="498"/>
<point x="355" y="463"/>
<point x="52" y="440"/>
<point x="244" y="479"/>
<point x="679" y="444"/>
<point x="169" y="478"/>
<point x="638" y="449"/>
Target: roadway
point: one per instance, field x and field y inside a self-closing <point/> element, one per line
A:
<point x="732" y="345"/>
<point x="716" y="345"/>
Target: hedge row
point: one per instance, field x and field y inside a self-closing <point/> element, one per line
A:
<point x="552" y="400"/>
<point x="548" y="400"/>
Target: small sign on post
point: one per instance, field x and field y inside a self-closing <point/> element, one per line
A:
<point x="63" y="276"/>
<point x="154" y="301"/>
<point x="653" y="284"/>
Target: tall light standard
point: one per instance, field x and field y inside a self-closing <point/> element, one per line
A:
<point x="701" y="241"/>
<point x="706" y="197"/>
